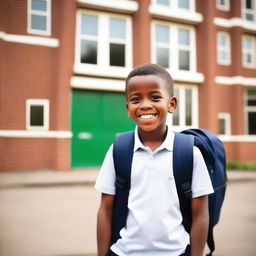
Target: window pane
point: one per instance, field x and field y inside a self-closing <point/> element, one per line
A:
<point x="188" y="96"/>
<point x="176" y="116"/>
<point x="36" y="115"/>
<point x="162" y="34"/>
<point x="248" y="4"/>
<point x="251" y="95"/>
<point x="184" y="4"/>
<point x="222" y="40"/>
<point x="252" y="122"/>
<point x="248" y="58"/>
<point x="162" y="57"/>
<point x="184" y="60"/>
<point x="222" y="126"/>
<point x="88" y="52"/>
<point x="89" y="25"/>
<point x="249" y="16"/>
<point x="247" y="43"/>
<point x="221" y="2"/>
<point x="117" y="28"/>
<point x="117" y="55"/>
<point x="184" y="37"/>
<point x="163" y="2"/>
<point x="38" y="22"/>
<point x="223" y="55"/>
<point x="39" y="5"/>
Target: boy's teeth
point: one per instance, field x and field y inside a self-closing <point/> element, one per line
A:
<point x="146" y="116"/>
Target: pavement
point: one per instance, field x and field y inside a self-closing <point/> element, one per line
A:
<point x="84" y="176"/>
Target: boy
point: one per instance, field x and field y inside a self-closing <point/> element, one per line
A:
<point x="154" y="221"/>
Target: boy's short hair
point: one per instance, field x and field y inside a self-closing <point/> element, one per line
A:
<point x="152" y="69"/>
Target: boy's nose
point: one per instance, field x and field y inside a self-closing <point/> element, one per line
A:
<point x="145" y="104"/>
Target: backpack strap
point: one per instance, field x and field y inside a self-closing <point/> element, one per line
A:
<point x="182" y="171"/>
<point x="122" y="157"/>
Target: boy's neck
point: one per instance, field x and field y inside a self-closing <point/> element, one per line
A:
<point x="153" y="139"/>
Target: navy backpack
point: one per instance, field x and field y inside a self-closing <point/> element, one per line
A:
<point x="214" y="155"/>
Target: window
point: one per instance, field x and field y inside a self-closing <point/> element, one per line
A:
<point x="39" y="17"/>
<point x="103" y="42"/>
<point x="37" y="114"/>
<point x="250" y="111"/>
<point x="224" y="123"/>
<point x="223" y="5"/>
<point x="249" y="51"/>
<point x="223" y="48"/>
<point x="249" y="10"/>
<point x="174" y="47"/>
<point x="180" y="4"/>
<point x="186" y="114"/>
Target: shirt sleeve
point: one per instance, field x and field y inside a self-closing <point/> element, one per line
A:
<point x="201" y="182"/>
<point x="105" y="182"/>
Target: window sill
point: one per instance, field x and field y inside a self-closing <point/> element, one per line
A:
<point x="98" y="71"/>
<point x="187" y="76"/>
<point x="188" y="17"/>
<point x="237" y="138"/>
<point x="99" y="84"/>
<point x="122" y="6"/>
<point x="235" y="22"/>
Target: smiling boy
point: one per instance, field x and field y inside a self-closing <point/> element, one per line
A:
<point x="154" y="221"/>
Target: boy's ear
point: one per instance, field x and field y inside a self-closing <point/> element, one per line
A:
<point x="172" y="104"/>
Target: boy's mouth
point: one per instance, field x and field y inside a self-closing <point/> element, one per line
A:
<point x="148" y="116"/>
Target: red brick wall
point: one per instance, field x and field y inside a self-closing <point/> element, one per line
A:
<point x="142" y="34"/>
<point x="36" y="72"/>
<point x="18" y="154"/>
<point x="242" y="151"/>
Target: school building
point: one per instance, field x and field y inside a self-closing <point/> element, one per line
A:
<point x="64" y="64"/>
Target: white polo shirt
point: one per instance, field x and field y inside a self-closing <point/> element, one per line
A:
<point x="154" y="222"/>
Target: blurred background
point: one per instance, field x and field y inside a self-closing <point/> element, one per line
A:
<point x="62" y="80"/>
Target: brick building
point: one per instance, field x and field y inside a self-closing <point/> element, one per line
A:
<point x="64" y="62"/>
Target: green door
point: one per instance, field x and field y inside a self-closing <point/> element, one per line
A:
<point x="96" y="118"/>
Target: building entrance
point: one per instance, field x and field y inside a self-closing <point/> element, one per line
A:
<point x="96" y="118"/>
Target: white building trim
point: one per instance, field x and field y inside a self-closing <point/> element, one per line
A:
<point x="36" y="134"/>
<point x="113" y="5"/>
<point x="235" y="22"/>
<point x="237" y="138"/>
<point x="33" y="40"/>
<point x="189" y="77"/>
<point x="247" y="81"/>
<point x="97" y="84"/>
<point x="189" y="17"/>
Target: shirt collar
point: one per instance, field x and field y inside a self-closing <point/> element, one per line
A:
<point x="167" y="143"/>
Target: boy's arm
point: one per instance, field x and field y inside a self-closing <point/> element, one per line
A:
<point x="104" y="224"/>
<point x="200" y="222"/>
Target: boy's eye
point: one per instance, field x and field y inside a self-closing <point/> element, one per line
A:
<point x="155" y="97"/>
<point x="135" y="99"/>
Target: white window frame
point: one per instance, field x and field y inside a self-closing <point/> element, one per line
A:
<point x="174" y="46"/>
<point x="182" y="107"/>
<point x="227" y="119"/>
<point x="226" y="48"/>
<point x="46" y="106"/>
<point x="102" y="68"/>
<point x="174" y="5"/>
<point x="245" y="11"/>
<point x="46" y="13"/>
<point x="247" y="109"/>
<point x="252" y="52"/>
<point x="223" y="7"/>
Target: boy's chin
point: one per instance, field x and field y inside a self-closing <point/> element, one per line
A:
<point x="148" y="129"/>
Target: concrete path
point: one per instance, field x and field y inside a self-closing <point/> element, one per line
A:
<point x="79" y="176"/>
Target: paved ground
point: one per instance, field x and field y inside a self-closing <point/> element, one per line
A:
<point x="55" y="216"/>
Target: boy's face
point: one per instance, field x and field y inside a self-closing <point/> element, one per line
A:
<point x="148" y="102"/>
